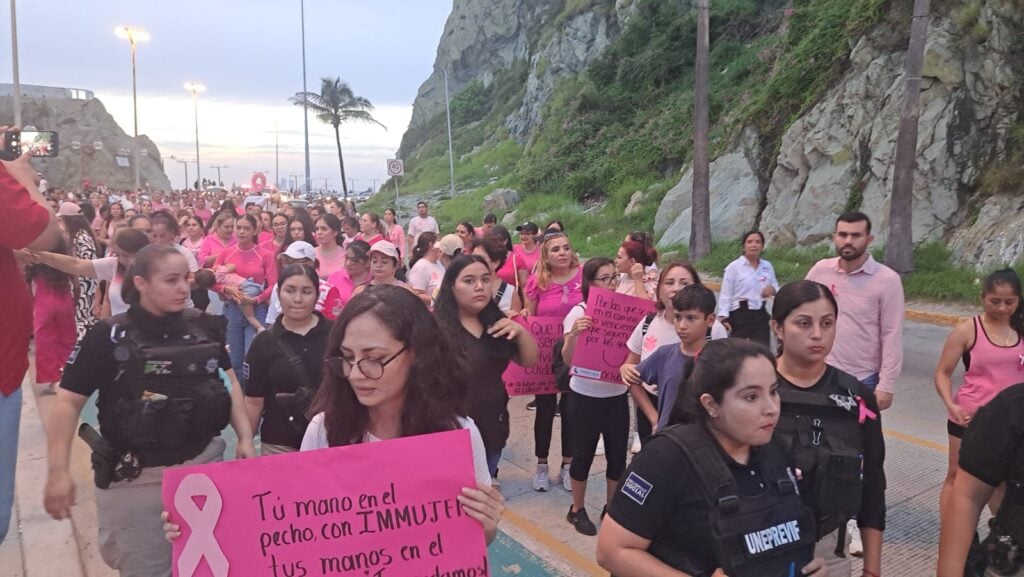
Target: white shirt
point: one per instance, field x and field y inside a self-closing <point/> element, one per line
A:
<point x="743" y="282"/>
<point x="426" y="276"/>
<point x="316" y="438"/>
<point x="420" y="224"/>
<point x="106" y="269"/>
<point x="582" y="385"/>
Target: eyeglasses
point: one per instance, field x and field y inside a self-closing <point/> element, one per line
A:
<point x="607" y="278"/>
<point x="370" y="368"/>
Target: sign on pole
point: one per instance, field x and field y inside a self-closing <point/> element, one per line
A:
<point x="396" y="167"/>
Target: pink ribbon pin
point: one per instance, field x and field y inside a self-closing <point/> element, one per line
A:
<point x="201" y="543"/>
<point x="865" y="412"/>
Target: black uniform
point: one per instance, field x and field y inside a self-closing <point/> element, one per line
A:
<point x="486" y="359"/>
<point x="160" y="395"/>
<point x="810" y="428"/>
<point x="271" y="373"/>
<point x="661" y="498"/>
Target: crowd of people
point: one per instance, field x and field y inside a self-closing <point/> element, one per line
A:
<point x="333" y="328"/>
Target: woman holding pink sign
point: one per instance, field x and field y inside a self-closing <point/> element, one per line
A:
<point x="552" y="292"/>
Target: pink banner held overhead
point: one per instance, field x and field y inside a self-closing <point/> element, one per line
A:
<point x="538" y="379"/>
<point x="385" y="509"/>
<point x="601" y="350"/>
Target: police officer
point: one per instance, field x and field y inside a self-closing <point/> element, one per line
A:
<point x="161" y="403"/>
<point x="284" y="364"/>
<point x="831" y="428"/>
<point x="991" y="455"/>
<point x="712" y="497"/>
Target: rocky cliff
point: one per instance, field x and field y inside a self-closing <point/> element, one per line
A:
<point x="90" y="143"/>
<point x="806" y="96"/>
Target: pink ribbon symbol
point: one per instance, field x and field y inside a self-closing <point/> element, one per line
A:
<point x="201" y="543"/>
<point x="865" y="412"/>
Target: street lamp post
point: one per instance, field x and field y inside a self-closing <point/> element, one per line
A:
<point x="185" y="164"/>
<point x="134" y="36"/>
<point x="196" y="88"/>
<point x="217" y="168"/>
<point x="305" y="106"/>
<point x="14" y="57"/>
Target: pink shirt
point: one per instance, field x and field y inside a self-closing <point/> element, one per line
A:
<point x="529" y="259"/>
<point x="265" y="236"/>
<point x="203" y="213"/>
<point x="992" y="369"/>
<point x="193" y="246"/>
<point x="508" y="271"/>
<point x="213" y="246"/>
<point x="254" y="263"/>
<point x="869" y="331"/>
<point x="557" y="299"/>
<point x="342" y="287"/>
<point x="328" y="265"/>
<point x="397" y="237"/>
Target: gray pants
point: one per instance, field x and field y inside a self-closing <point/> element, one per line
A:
<point x="269" y="449"/>
<point x="131" y="534"/>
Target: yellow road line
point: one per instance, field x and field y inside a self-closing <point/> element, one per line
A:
<point x="942" y="448"/>
<point x="581" y="562"/>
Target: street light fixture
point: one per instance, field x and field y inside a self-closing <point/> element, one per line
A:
<point x="134" y="36"/>
<point x="196" y="88"/>
<point x="218" y="168"/>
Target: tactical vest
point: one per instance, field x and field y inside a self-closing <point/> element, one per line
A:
<point x="821" y="432"/>
<point x="768" y="535"/>
<point x="166" y="402"/>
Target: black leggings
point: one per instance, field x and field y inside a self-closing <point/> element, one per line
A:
<point x="593" y="418"/>
<point x="643" y="426"/>
<point x="750" y="324"/>
<point x="544" y="422"/>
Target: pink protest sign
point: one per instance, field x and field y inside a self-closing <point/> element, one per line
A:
<point x="538" y="379"/>
<point x="371" y="510"/>
<point x="601" y="350"/>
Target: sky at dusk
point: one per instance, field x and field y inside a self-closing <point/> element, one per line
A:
<point x="249" y="56"/>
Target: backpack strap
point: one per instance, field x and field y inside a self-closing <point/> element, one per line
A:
<point x="501" y="292"/>
<point x="294" y="360"/>
<point x="647" y="324"/>
<point x="717" y="480"/>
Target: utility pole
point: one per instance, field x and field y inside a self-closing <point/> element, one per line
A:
<point x="373" y="184"/>
<point x="899" y="247"/>
<point x="277" y="159"/>
<point x="14" y="56"/>
<point x="219" y="181"/>
<point x="326" y="180"/>
<point x="448" y="109"/>
<point x="305" y="106"/>
<point x="352" y="183"/>
<point x="295" y="180"/>
<point x="700" y="228"/>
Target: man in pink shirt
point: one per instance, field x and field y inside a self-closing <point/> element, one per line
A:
<point x="869" y="331"/>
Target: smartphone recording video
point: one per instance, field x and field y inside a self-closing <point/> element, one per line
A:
<point x="41" y="143"/>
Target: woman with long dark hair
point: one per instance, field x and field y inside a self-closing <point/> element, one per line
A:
<point x="83" y="246"/>
<point x="390" y="374"/>
<point x="330" y="255"/>
<point x="221" y="237"/>
<point x="279" y="230"/>
<point x="393" y="230"/>
<point x="115" y="216"/>
<point x="488" y="340"/>
<point x="425" y="268"/>
<point x="991" y="346"/>
<point x="345" y="282"/>
<point x="496" y="253"/>
<point x="466" y="232"/>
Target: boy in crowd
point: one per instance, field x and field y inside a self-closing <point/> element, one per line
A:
<point x="224" y="275"/>
<point x="695" y="315"/>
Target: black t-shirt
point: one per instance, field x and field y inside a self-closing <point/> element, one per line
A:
<point x="92" y="366"/>
<point x="270" y="372"/>
<point x="660" y="498"/>
<point x="486" y="360"/>
<point x="872" y="508"/>
<point x="993" y="446"/>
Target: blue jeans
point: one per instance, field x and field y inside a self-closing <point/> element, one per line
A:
<point x="10" y="418"/>
<point x="870" y="381"/>
<point x="240" y="334"/>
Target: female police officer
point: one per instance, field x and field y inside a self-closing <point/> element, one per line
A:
<point x="161" y="403"/>
<point x="708" y="498"/>
<point x="992" y="453"/>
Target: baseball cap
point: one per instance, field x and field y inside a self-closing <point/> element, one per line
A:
<point x="386" y="248"/>
<point x="528" y="227"/>
<point x="300" y="249"/>
<point x="69" y="209"/>
<point x="449" y="244"/>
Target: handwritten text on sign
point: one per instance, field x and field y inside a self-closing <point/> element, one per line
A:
<point x="371" y="510"/>
<point x="601" y="350"/>
<point x="538" y="379"/>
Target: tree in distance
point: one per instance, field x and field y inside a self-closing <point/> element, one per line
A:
<point x="335" y="105"/>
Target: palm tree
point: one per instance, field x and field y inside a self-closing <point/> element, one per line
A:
<point x="335" y="105"/>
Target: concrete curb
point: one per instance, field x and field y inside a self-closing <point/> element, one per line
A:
<point x="48" y="547"/>
<point x="917" y="316"/>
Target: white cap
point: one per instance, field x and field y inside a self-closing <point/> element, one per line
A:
<point x="300" y="249"/>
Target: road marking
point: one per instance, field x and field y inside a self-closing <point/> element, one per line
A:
<point x="940" y="447"/>
<point x="588" y="566"/>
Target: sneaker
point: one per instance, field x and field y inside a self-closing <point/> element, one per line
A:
<point x="636" y="444"/>
<point x="856" y="546"/>
<point x="565" y="479"/>
<point x="600" y="447"/>
<point x="581" y="522"/>
<point x="540" y="478"/>
<point x="532" y="405"/>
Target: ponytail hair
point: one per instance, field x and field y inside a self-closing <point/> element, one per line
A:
<point x="713" y="372"/>
<point x="424" y="243"/>
<point x="145" y="264"/>
<point x="1008" y="277"/>
<point x="643" y="254"/>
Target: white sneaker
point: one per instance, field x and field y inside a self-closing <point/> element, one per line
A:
<point x="856" y="546"/>
<point x="636" y="444"/>
<point x="540" y="478"/>
<point x="600" y="447"/>
<point x="565" y="478"/>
